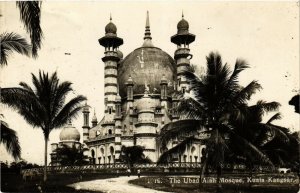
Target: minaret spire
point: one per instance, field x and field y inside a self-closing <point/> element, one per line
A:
<point x="147" y="37"/>
<point x="147" y="30"/>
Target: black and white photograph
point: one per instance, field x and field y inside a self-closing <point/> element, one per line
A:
<point x="150" y="96"/>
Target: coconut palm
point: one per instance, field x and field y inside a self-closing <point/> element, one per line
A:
<point x="30" y="14"/>
<point x="10" y="140"/>
<point x="216" y="98"/>
<point x="43" y="106"/>
<point x="10" y="42"/>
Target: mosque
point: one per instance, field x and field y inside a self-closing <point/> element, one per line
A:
<point x="139" y="98"/>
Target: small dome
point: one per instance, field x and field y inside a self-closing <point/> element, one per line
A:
<point x="183" y="26"/>
<point x="110" y="28"/>
<point x="69" y="133"/>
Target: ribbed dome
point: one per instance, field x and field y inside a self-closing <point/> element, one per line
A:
<point x="146" y="66"/>
<point x="69" y="133"/>
<point x="111" y="28"/>
<point x="183" y="26"/>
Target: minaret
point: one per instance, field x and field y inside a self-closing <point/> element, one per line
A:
<point x="182" y="55"/>
<point x="86" y="126"/>
<point x="111" y="44"/>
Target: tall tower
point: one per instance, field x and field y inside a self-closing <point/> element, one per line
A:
<point x="182" y="55"/>
<point x="111" y="44"/>
<point x="86" y="126"/>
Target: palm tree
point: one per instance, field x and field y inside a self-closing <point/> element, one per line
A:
<point x="43" y="106"/>
<point x="30" y="14"/>
<point x="133" y="154"/>
<point x="215" y="99"/>
<point x="10" y="140"/>
<point x="12" y="42"/>
<point x="71" y="155"/>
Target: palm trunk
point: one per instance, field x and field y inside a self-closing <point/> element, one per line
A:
<point x="202" y="172"/>
<point x="45" y="167"/>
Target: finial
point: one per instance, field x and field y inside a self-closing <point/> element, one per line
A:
<point x="147" y="37"/>
<point x="110" y="18"/>
<point x="147" y="20"/>
<point x="182" y="15"/>
<point x="95" y="111"/>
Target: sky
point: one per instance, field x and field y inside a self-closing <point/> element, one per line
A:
<point x="265" y="34"/>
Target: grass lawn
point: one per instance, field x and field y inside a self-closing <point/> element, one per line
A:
<point x="12" y="182"/>
<point x="165" y="185"/>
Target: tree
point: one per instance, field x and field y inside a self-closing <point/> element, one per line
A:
<point x="10" y="140"/>
<point x="10" y="42"/>
<point x="295" y="102"/>
<point x="71" y="155"/>
<point x="43" y="106"/>
<point x="133" y="155"/>
<point x="30" y="14"/>
<point x="215" y="99"/>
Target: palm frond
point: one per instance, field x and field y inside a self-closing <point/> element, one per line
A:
<point x="179" y="129"/>
<point x="277" y="116"/>
<point x="178" y="149"/>
<point x="239" y="66"/>
<point x="69" y="110"/>
<point x="190" y="108"/>
<point x="246" y="93"/>
<point x="10" y="139"/>
<point x="30" y="14"/>
<point x="10" y="42"/>
<point x="250" y="150"/>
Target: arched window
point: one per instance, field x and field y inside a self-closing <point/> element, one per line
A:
<point x="109" y="131"/>
<point x="112" y="150"/>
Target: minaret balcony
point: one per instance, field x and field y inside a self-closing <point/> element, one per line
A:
<point x="148" y="123"/>
<point x="183" y="53"/>
<point x="111" y="53"/>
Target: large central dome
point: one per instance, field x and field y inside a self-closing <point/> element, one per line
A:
<point x="146" y="66"/>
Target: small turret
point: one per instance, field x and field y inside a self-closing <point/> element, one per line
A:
<point x="86" y="126"/>
<point x="94" y="120"/>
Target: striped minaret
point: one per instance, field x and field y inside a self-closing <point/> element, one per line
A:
<point x="111" y="44"/>
<point x="182" y="55"/>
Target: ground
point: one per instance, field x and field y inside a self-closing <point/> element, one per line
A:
<point x="113" y="185"/>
